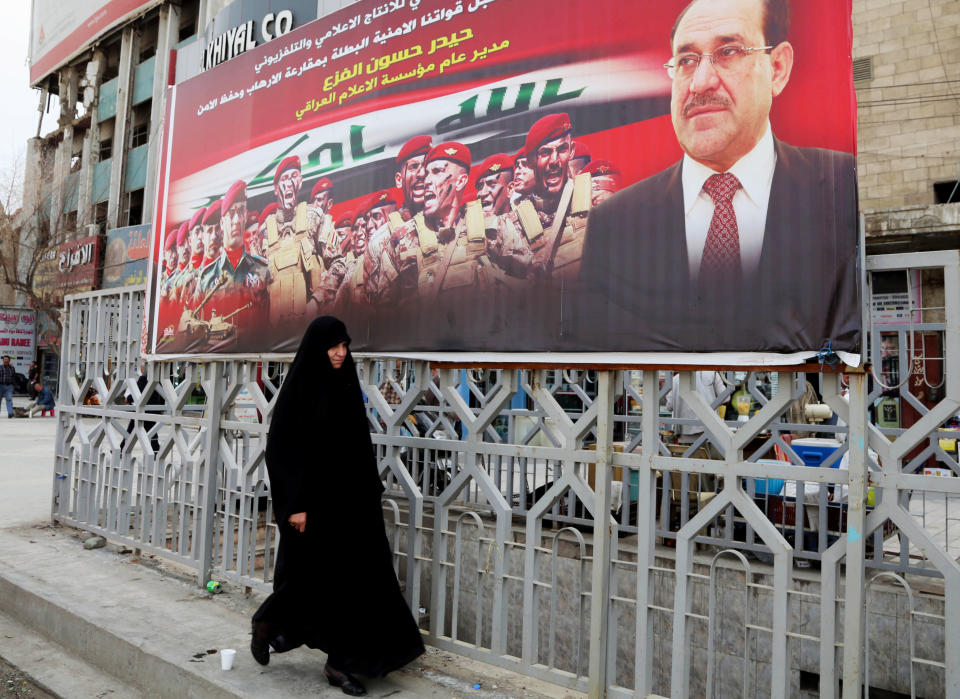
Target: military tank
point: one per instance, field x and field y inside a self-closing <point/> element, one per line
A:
<point x="191" y="323"/>
<point x="220" y="329"/>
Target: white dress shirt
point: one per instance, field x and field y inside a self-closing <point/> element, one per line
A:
<point x="755" y="172"/>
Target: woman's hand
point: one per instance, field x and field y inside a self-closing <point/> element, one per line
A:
<point x="298" y="521"/>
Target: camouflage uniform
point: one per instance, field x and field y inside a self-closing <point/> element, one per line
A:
<point x="294" y="269"/>
<point x="553" y="256"/>
<point x="430" y="262"/>
<point x="250" y="274"/>
<point x="352" y="290"/>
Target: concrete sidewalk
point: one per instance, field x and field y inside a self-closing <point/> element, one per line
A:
<point x="102" y="622"/>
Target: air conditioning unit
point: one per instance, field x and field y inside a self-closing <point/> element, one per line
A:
<point x="93" y="229"/>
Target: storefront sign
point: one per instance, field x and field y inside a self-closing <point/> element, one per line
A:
<point x="77" y="262"/>
<point x="125" y="261"/>
<point x="18" y="330"/>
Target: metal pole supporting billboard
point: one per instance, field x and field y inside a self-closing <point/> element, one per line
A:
<point x="602" y="537"/>
<point x="853" y="638"/>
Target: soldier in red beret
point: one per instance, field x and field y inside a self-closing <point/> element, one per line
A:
<point x="380" y="263"/>
<point x="336" y="246"/>
<point x="557" y="245"/>
<point x="189" y="270"/>
<point x="333" y="253"/>
<point x="321" y="201"/>
<point x="493" y="184"/>
<point x="212" y="235"/>
<point x="549" y="146"/>
<point x="380" y="206"/>
<point x="605" y="179"/>
<point x="233" y="260"/>
<point x="196" y="237"/>
<point x="183" y="247"/>
<point x="410" y="174"/>
<point x="444" y="249"/>
<point x="236" y="278"/>
<point x="251" y="234"/>
<point x="166" y="306"/>
<point x="523" y="178"/>
<point x="357" y="242"/>
<point x="287" y="181"/>
<point x="447" y="175"/>
<point x="169" y="255"/>
<point x="290" y="231"/>
<point x="351" y="289"/>
<point x="321" y="196"/>
<point x="267" y="210"/>
<point x="579" y="159"/>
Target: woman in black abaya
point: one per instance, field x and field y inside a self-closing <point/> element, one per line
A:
<point x="333" y="585"/>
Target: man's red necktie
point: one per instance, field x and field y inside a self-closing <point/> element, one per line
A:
<point x="721" y="253"/>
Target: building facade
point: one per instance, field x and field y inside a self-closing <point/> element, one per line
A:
<point x="95" y="173"/>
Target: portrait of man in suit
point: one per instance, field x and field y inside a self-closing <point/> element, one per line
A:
<point x="747" y="242"/>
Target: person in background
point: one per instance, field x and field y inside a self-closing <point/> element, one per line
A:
<point x="44" y="402"/>
<point x="33" y="376"/>
<point x="7" y="377"/>
<point x="711" y="387"/>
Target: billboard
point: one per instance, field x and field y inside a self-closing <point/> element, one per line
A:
<point x="18" y="331"/>
<point x="506" y="176"/>
<point x="67" y="268"/>
<point x="60" y="30"/>
<point x="125" y="259"/>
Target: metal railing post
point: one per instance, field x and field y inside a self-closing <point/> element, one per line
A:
<point x="646" y="531"/>
<point x="602" y="539"/>
<point x="213" y="387"/>
<point x="61" y="459"/>
<point x="853" y="637"/>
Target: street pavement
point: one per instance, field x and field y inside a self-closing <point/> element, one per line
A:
<point x="109" y="623"/>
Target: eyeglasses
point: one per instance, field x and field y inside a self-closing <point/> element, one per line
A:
<point x="726" y="58"/>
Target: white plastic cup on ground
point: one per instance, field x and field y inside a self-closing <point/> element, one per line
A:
<point x="226" y="658"/>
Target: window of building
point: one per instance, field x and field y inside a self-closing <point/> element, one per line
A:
<point x="76" y="162"/>
<point x="100" y="215"/>
<point x="139" y="135"/>
<point x="111" y="64"/>
<point x="140" y="124"/>
<point x="147" y="43"/>
<point x="946" y="192"/>
<point x="189" y="13"/>
<point x="133" y="208"/>
<point x="70" y="221"/>
<point x="105" y="138"/>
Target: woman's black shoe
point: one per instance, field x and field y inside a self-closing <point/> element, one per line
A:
<point x="259" y="647"/>
<point x="349" y="684"/>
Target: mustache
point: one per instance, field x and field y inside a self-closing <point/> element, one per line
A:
<point x="705" y="100"/>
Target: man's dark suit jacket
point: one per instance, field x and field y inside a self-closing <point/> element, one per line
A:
<point x="635" y="293"/>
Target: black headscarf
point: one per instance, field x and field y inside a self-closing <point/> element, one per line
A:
<point x="319" y="438"/>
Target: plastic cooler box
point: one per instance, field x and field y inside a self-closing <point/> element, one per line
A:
<point x="815" y="450"/>
<point x="771" y="486"/>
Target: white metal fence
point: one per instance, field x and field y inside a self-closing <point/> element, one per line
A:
<point x="542" y="520"/>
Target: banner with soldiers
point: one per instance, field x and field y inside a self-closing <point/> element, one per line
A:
<point x="518" y="176"/>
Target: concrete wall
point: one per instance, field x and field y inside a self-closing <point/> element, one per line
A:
<point x="737" y="606"/>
